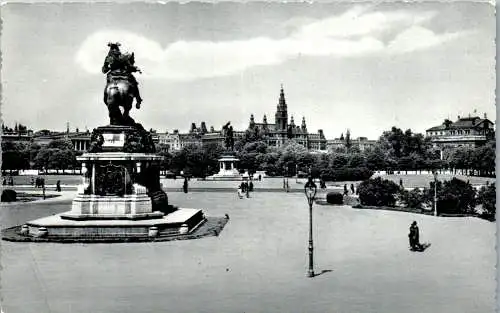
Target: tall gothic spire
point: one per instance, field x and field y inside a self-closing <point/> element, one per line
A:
<point x="303" y="126"/>
<point x="282" y="101"/>
<point x="252" y="121"/>
<point x="281" y="116"/>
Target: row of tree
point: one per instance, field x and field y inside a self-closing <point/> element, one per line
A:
<point x="453" y="197"/>
<point x="58" y="154"/>
<point x="395" y="150"/>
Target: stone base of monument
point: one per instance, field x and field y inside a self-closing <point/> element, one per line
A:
<point x="182" y="221"/>
<point x="228" y="170"/>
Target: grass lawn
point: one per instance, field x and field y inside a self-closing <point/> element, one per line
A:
<point x="259" y="262"/>
<point x="421" y="181"/>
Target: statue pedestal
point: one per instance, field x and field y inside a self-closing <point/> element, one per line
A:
<point x="121" y="195"/>
<point x="228" y="169"/>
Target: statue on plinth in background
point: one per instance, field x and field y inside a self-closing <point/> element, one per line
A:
<point x="227" y="131"/>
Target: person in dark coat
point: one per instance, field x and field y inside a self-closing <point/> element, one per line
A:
<point x="58" y="186"/>
<point x="352" y="188"/>
<point x="414" y="237"/>
<point x="346" y="192"/>
<point x="322" y="183"/>
<point x="250" y="186"/>
<point x="185" y="185"/>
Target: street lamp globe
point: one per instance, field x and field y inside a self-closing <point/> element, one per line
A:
<point x="310" y="190"/>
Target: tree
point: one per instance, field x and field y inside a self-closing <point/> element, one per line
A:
<point x="348" y="142"/>
<point x="338" y="160"/>
<point x="392" y="142"/>
<point x="378" y="192"/>
<point x="356" y="160"/>
<point x="483" y="159"/>
<point x="375" y="159"/>
<point x="15" y="156"/>
<point x="454" y="196"/>
<point x="62" y="144"/>
<point x="412" y="199"/>
<point x="487" y="198"/>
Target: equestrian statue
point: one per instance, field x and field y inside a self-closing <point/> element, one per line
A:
<point x="121" y="85"/>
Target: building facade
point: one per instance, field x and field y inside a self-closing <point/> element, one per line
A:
<point x="471" y="131"/>
<point x="275" y="134"/>
<point x="283" y="129"/>
<point x="361" y="143"/>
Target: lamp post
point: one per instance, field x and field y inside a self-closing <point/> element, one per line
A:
<point x="435" y="192"/>
<point x="310" y="191"/>
<point x="296" y="173"/>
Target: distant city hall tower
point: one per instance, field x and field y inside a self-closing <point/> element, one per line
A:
<point x="281" y="116"/>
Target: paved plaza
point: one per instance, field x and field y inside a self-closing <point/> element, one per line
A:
<point x="258" y="263"/>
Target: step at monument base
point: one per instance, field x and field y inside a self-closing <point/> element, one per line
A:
<point x="182" y="221"/>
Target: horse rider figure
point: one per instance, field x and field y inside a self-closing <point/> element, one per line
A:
<point x="117" y="64"/>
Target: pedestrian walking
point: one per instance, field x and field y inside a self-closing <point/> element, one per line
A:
<point x="414" y="237"/>
<point x="43" y="188"/>
<point x="240" y="192"/>
<point x="185" y="185"/>
<point x="346" y="192"/>
<point x="401" y="183"/>
<point x="58" y="186"/>
<point x="250" y="186"/>
<point x="322" y="183"/>
<point x="352" y="188"/>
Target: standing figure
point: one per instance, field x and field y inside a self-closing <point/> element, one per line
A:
<point x="43" y="188"/>
<point x="346" y="192"/>
<point x="414" y="237"/>
<point x="58" y="186"/>
<point x="227" y="131"/>
<point x="185" y="185"/>
<point x="322" y="183"/>
<point x="352" y="188"/>
<point x="250" y="186"/>
<point x="401" y="183"/>
<point x="240" y="191"/>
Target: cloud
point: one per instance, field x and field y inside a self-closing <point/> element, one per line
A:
<point x="418" y="38"/>
<point x="355" y="33"/>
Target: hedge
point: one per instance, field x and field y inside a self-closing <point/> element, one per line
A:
<point x="346" y="174"/>
<point x="9" y="195"/>
<point x="334" y="198"/>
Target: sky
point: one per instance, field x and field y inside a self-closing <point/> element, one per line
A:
<point x="342" y="65"/>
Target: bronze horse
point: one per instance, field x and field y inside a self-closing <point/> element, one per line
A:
<point x="119" y="92"/>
